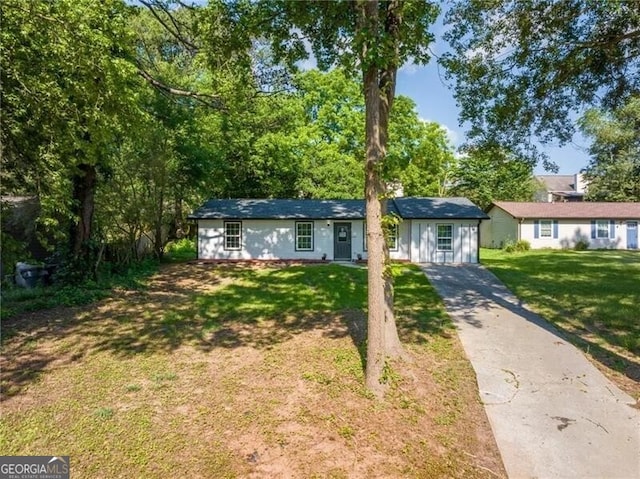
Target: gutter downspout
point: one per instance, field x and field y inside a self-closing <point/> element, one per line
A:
<point x="520" y="229"/>
<point x="197" y="240"/>
<point x="479" y="242"/>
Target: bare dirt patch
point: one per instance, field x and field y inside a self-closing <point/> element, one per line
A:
<point x="159" y="382"/>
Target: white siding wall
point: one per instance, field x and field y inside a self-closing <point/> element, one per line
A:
<point x="263" y="239"/>
<point x="401" y="253"/>
<point x="501" y="228"/>
<point x="424" y="242"/>
<point x="572" y="231"/>
<point x="275" y="239"/>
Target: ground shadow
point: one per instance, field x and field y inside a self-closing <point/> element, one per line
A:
<point x="470" y="288"/>
<point x="209" y="307"/>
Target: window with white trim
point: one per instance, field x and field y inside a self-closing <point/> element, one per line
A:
<point x="391" y="237"/>
<point x="364" y="236"/>
<point x="445" y="237"/>
<point x="546" y="229"/>
<point x="602" y="229"/>
<point x="304" y="236"/>
<point x="232" y="235"/>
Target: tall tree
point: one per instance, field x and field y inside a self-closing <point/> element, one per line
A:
<point x="489" y="173"/>
<point x="613" y="174"/>
<point x="525" y="68"/>
<point x="420" y="156"/>
<point x="67" y="85"/>
<point x="331" y="136"/>
<point x="372" y="38"/>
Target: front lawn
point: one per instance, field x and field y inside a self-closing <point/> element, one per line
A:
<point x="238" y="372"/>
<point x="594" y="296"/>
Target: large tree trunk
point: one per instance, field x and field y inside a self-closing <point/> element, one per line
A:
<point x="387" y="91"/>
<point x="382" y="336"/>
<point x="84" y="189"/>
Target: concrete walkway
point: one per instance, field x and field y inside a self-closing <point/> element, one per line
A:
<point x="554" y="415"/>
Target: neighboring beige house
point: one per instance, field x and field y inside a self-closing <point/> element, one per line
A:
<point x="560" y="188"/>
<point x="562" y="225"/>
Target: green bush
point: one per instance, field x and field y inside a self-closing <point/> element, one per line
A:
<point x="581" y="245"/>
<point x="17" y="300"/>
<point x="11" y="251"/>
<point x="181" y="250"/>
<point x="518" y="246"/>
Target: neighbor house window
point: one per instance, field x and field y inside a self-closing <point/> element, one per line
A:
<point x="445" y="237"/>
<point x="602" y="228"/>
<point x="546" y="228"/>
<point x="304" y="236"/>
<point x="232" y="235"/>
<point x="392" y="237"/>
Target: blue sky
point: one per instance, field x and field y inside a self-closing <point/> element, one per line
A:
<point x="426" y="86"/>
<point x="435" y="102"/>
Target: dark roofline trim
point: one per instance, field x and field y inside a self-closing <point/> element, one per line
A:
<point x="297" y="218"/>
<point x="408" y="208"/>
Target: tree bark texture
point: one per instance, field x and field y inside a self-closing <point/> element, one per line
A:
<point x="379" y="88"/>
<point x="84" y="189"/>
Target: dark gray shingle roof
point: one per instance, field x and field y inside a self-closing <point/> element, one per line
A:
<point x="438" y="208"/>
<point x="280" y="209"/>
<point x="558" y="183"/>
<point x="408" y="208"/>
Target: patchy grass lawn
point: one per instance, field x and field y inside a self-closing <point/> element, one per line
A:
<point x="242" y="372"/>
<point x="594" y="296"/>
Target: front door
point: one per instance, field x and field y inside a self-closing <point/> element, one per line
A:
<point x="632" y="235"/>
<point x="342" y="241"/>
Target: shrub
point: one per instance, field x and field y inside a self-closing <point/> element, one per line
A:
<point x="519" y="246"/>
<point x="581" y="245"/>
<point x="181" y="250"/>
<point x="509" y="246"/>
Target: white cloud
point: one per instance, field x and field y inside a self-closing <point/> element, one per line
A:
<point x="409" y="68"/>
<point x="453" y="135"/>
<point x="311" y="62"/>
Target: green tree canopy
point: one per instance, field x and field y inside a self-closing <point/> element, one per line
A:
<point x="613" y="174"/>
<point x="489" y="173"/>
<point x="68" y="85"/>
<point x="526" y="68"/>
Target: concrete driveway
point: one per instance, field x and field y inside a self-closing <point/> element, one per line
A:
<point x="554" y="415"/>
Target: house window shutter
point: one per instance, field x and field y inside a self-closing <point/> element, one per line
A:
<point x="593" y="229"/>
<point x="536" y="229"/>
<point x="612" y="229"/>
<point x="555" y="229"/>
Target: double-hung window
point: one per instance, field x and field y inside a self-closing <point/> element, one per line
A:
<point x="602" y="229"/>
<point x="391" y="236"/>
<point x="546" y="229"/>
<point x="304" y="236"/>
<point x="232" y="235"/>
<point x="445" y="237"/>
